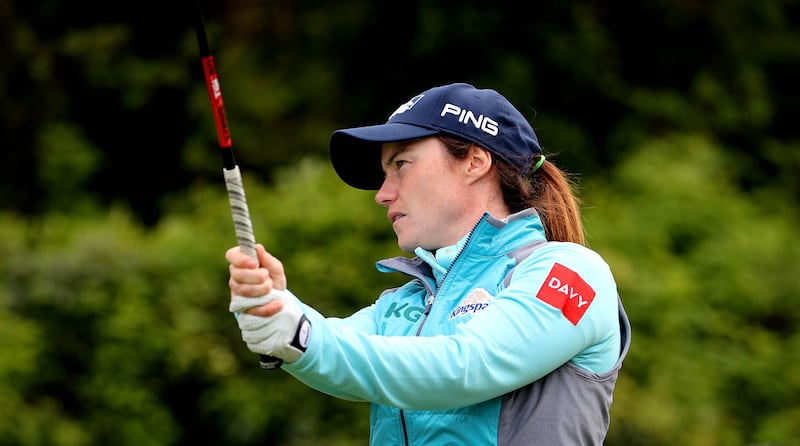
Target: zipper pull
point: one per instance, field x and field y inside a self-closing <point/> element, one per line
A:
<point x="428" y="305"/>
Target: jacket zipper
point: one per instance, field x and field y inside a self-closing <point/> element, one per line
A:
<point x="429" y="303"/>
<point x="428" y="306"/>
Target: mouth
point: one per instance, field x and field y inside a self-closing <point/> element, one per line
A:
<point x="394" y="216"/>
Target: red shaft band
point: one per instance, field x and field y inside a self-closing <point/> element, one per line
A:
<point x="215" y="95"/>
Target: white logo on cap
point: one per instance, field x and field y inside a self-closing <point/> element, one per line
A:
<point x="484" y="123"/>
<point x="407" y="106"/>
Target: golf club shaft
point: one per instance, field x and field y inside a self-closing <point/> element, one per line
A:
<point x="233" y="177"/>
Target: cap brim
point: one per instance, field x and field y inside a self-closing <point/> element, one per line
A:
<point x="356" y="153"/>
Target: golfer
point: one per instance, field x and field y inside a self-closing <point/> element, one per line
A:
<point x="509" y="330"/>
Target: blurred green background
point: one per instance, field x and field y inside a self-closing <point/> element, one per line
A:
<point x="679" y="117"/>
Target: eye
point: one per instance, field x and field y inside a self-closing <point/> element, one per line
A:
<point x="400" y="163"/>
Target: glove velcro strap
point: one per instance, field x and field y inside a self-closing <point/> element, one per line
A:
<point x="302" y="335"/>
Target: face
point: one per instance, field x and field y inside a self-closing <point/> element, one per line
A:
<point x="427" y="194"/>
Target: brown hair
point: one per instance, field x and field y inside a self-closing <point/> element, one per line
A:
<point x="548" y="189"/>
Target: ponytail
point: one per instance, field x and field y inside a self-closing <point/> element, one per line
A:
<point x="552" y="192"/>
<point x="547" y="189"/>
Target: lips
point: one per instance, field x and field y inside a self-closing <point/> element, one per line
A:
<point x="394" y="216"/>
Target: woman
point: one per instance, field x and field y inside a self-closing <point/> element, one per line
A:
<point x="509" y="331"/>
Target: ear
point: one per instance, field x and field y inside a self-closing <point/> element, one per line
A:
<point x="479" y="163"/>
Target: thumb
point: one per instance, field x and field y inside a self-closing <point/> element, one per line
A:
<point x="274" y="266"/>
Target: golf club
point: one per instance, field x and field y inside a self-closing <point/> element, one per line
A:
<point x="233" y="177"/>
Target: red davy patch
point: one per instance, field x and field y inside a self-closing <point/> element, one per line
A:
<point x="567" y="291"/>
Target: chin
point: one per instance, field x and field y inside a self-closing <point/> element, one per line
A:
<point x="405" y="247"/>
<point x="408" y="249"/>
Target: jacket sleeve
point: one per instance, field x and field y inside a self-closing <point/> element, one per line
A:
<point x="362" y="320"/>
<point x="516" y="340"/>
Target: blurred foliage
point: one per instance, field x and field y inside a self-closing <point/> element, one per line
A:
<point x="679" y="118"/>
<point x="708" y="275"/>
<point x="122" y="335"/>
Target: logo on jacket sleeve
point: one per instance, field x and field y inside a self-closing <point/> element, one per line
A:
<point x="566" y="290"/>
<point x="476" y="300"/>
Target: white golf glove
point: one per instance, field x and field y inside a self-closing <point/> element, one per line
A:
<point x="284" y="335"/>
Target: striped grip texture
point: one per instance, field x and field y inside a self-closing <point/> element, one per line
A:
<point x="239" y="210"/>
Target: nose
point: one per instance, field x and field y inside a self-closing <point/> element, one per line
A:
<point x="386" y="194"/>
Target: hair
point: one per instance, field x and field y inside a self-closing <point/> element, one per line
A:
<point x="548" y="189"/>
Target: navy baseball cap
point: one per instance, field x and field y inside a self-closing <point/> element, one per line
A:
<point x="480" y="116"/>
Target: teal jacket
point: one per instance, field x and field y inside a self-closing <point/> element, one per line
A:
<point x="502" y="339"/>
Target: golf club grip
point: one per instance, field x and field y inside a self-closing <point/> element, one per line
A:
<point x="244" y="234"/>
<point x="240" y="211"/>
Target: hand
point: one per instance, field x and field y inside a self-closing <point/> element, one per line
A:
<point x="251" y="277"/>
<point x="269" y="318"/>
<point x="284" y="334"/>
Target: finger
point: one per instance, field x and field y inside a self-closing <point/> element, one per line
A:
<point x="249" y="290"/>
<point x="235" y="256"/>
<point x="266" y="310"/>
<point x="248" y="276"/>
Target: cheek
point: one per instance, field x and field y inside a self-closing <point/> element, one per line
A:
<point x="433" y="186"/>
<point x="443" y="201"/>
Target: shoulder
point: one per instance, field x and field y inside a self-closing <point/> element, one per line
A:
<point x="564" y="260"/>
<point x="410" y="289"/>
<point x="571" y="254"/>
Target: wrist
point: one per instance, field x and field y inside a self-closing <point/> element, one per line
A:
<point x="299" y="342"/>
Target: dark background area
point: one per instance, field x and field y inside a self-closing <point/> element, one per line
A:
<point x="592" y="78"/>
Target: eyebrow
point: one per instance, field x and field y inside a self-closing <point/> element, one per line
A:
<point x="402" y="149"/>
